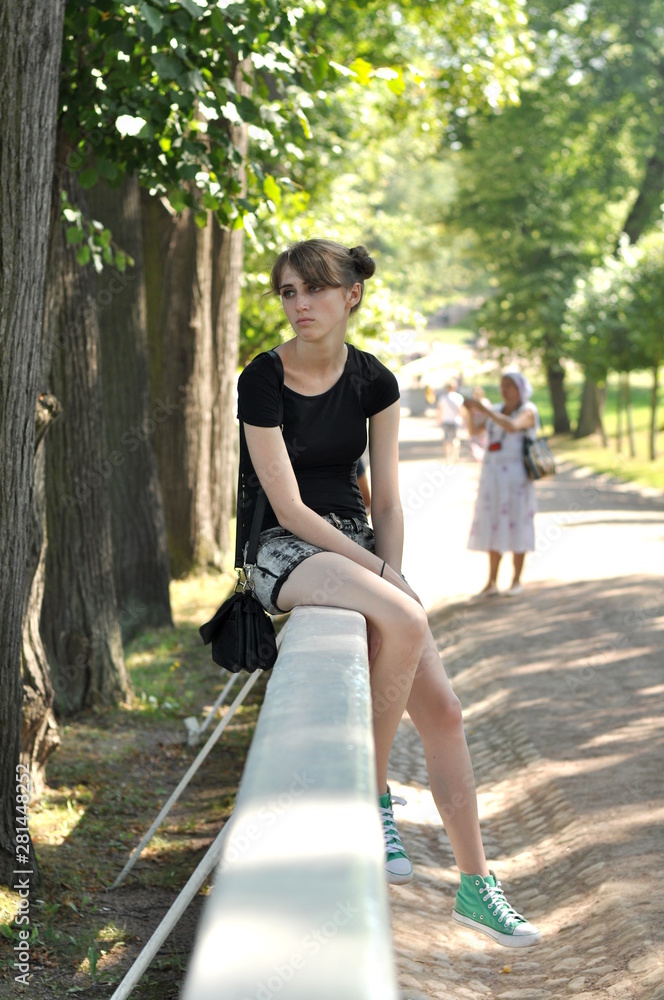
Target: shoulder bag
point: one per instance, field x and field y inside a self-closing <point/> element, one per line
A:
<point x="537" y="458"/>
<point x="241" y="631"/>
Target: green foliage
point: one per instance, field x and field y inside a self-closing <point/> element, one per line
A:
<point x="371" y="173"/>
<point x="546" y="186"/>
<point x="614" y="316"/>
<point x="93" y="241"/>
<point x="154" y="88"/>
<point x="596" y="321"/>
<point x="646" y="304"/>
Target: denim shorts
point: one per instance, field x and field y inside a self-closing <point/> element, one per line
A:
<point x="280" y="551"/>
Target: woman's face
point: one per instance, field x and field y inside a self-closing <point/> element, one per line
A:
<point x="315" y="311"/>
<point x="509" y="392"/>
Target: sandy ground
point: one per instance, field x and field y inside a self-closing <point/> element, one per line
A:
<point x="562" y="692"/>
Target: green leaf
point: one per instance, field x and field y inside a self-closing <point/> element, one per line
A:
<point x="121" y="261"/>
<point x="154" y="20"/>
<point x="167" y="67"/>
<point x="88" y="178"/>
<point x="209" y="201"/>
<point x="106" y="168"/>
<point x="272" y="190"/>
<point x="201" y="219"/>
<point x="84" y="255"/>
<point x="188" y="170"/>
<point x="177" y="200"/>
<point x="192" y="8"/>
<point x="319" y="69"/>
<point x="362" y="70"/>
<point x="74" y="235"/>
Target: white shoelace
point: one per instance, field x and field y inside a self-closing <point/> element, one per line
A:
<point x="390" y="832"/>
<point x="495" y="898"/>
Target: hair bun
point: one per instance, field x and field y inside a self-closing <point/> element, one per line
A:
<point x="365" y="264"/>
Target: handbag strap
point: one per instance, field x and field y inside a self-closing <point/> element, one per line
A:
<point x="256" y="525"/>
<point x="257" y="519"/>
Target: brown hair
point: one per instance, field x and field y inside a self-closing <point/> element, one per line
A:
<point x="324" y="263"/>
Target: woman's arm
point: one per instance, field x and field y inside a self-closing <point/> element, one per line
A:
<point x="524" y="418"/>
<point x="386" y="510"/>
<point x="273" y="467"/>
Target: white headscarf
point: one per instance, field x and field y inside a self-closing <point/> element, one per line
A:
<point x="522" y="384"/>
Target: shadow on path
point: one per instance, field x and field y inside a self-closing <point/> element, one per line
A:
<point x="562" y="696"/>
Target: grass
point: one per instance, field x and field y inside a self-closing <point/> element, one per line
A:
<point x="460" y="335"/>
<point x="105" y="785"/>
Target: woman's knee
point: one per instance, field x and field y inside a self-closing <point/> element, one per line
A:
<point x="405" y="625"/>
<point x="437" y="706"/>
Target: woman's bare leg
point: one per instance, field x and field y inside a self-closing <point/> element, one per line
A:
<point x="436" y="712"/>
<point x="494" y="563"/>
<point x="331" y="580"/>
<point x="519" y="559"/>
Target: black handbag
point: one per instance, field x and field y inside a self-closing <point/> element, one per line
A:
<point x="537" y="458"/>
<point x="241" y="631"/>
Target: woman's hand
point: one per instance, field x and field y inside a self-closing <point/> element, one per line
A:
<point x="398" y="581"/>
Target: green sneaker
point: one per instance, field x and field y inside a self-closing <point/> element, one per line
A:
<point x="480" y="903"/>
<point x="398" y="868"/>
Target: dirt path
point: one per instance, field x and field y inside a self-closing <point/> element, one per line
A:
<point x="562" y="692"/>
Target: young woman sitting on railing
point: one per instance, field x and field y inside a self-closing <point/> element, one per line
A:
<point x="303" y="411"/>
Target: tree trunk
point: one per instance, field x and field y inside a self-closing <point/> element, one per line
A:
<point x="140" y="552"/>
<point x="590" y="414"/>
<point x="40" y="735"/>
<point x="192" y="284"/>
<point x="620" y="396"/>
<point x="654" y="393"/>
<point x="555" y="375"/>
<point x="29" y="73"/>
<point x="647" y="205"/>
<point x="182" y="324"/>
<point x="227" y="261"/>
<point x="79" y="614"/>
<point x="629" y="416"/>
<point x="194" y="346"/>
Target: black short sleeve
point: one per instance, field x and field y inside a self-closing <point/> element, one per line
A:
<point x="374" y="383"/>
<point x="259" y="391"/>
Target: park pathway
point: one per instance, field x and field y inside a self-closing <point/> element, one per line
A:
<point x="562" y="693"/>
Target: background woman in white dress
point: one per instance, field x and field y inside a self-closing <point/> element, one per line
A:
<point x="504" y="516"/>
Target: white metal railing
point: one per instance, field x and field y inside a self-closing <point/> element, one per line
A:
<point x="299" y="908"/>
<point x="191" y="771"/>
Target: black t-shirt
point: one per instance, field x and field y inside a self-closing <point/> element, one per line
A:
<point x="325" y="435"/>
